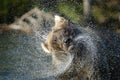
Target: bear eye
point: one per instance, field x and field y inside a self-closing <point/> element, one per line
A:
<point x="54" y="39"/>
<point x="66" y="32"/>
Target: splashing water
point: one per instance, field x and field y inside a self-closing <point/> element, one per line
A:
<point x="25" y="58"/>
<point x="87" y="40"/>
<point x="21" y="55"/>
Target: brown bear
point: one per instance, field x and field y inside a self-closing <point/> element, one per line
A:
<point x="73" y="49"/>
<point x="80" y="53"/>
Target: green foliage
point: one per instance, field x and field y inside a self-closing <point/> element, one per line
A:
<point x="70" y="10"/>
<point x="106" y="13"/>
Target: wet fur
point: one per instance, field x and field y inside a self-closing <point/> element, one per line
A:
<point x="82" y="65"/>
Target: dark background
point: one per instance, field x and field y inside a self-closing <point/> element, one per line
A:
<point x="103" y="14"/>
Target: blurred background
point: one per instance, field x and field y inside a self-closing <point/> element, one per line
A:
<point x="101" y="14"/>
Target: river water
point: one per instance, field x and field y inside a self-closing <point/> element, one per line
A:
<point x="21" y="55"/>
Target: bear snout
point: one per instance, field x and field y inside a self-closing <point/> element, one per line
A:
<point x="67" y="40"/>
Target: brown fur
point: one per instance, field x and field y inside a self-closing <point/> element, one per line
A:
<point x="56" y="45"/>
<point x="51" y="45"/>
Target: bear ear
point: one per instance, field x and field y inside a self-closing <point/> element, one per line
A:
<point x="57" y="18"/>
<point x="59" y="21"/>
<point x="45" y="47"/>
